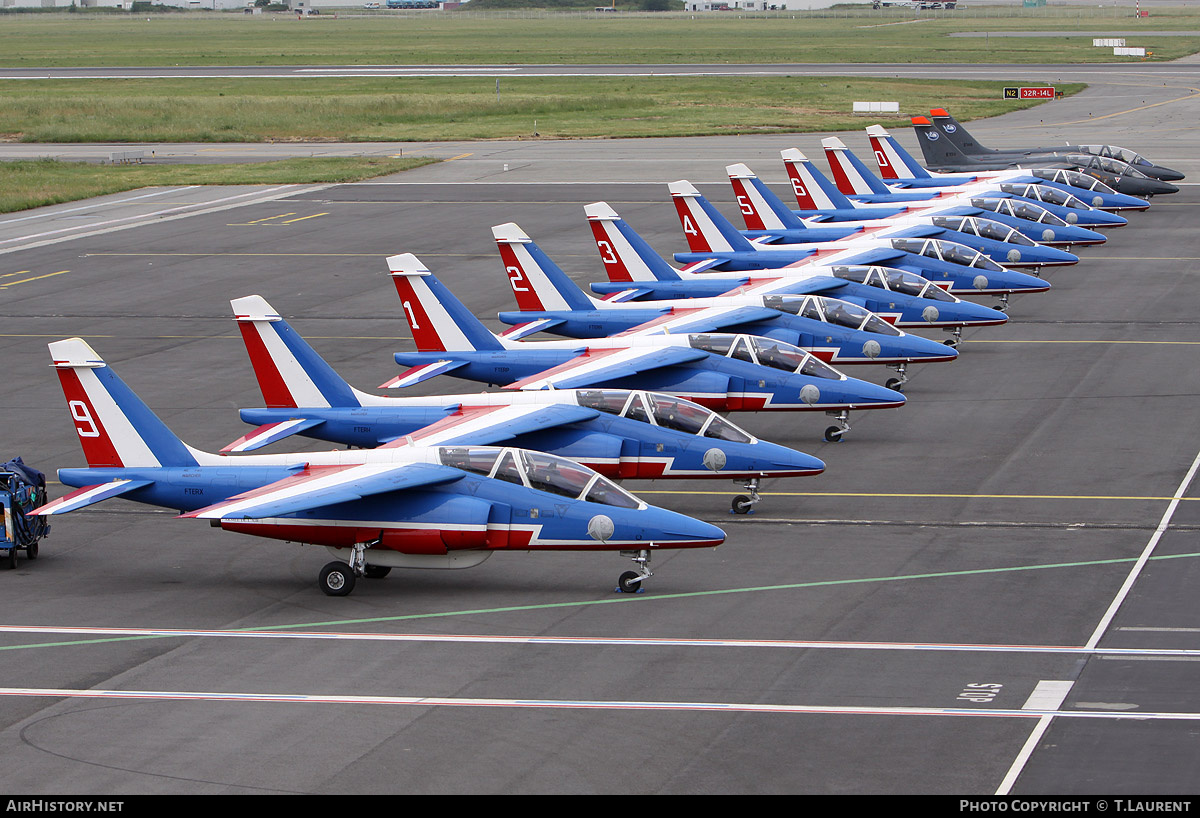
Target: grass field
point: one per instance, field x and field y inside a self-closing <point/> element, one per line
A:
<point x="46" y="181"/>
<point x="382" y="109"/>
<point x="436" y="109"/>
<point x="236" y="39"/>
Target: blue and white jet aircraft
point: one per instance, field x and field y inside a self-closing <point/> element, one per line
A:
<point x="716" y="244"/>
<point x="374" y="509"/>
<point x="770" y="222"/>
<point x="723" y="371"/>
<point x="838" y="332"/>
<point x="618" y="433"/>
<point x="855" y="180"/>
<point x="636" y="273"/>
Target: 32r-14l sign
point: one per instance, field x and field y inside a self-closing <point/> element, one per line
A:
<point x="1029" y="93"/>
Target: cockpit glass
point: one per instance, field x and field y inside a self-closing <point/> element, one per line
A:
<point x="604" y="400"/>
<point x="902" y="281"/>
<point x="555" y="475"/>
<point x="784" y="303"/>
<point x="680" y="415"/>
<point x="721" y="429"/>
<point x="956" y="223"/>
<point x="478" y="461"/>
<point x="933" y="292"/>
<point x="814" y="367"/>
<point x="716" y="344"/>
<point x="508" y="470"/>
<point x="844" y="314"/>
<point x="858" y="274"/>
<point x="608" y="493"/>
<point x="778" y="355"/>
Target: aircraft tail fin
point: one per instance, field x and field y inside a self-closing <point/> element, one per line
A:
<point x="537" y="282"/>
<point x="937" y="151"/>
<point x="439" y="321"/>
<point x="761" y="209"/>
<point x="115" y="427"/>
<point x="813" y="189"/>
<point x="849" y="172"/>
<point x="894" y="162"/>
<point x="706" y="230"/>
<point x="626" y="255"/>
<point x="953" y="130"/>
<point x="290" y="373"/>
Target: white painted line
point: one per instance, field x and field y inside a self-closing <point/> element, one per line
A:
<point x="95" y="205"/>
<point x="792" y="644"/>
<point x="168" y="214"/>
<point x="1048" y="695"/>
<point x="436" y="701"/>
<point x="1146" y="552"/>
<point x="1027" y="750"/>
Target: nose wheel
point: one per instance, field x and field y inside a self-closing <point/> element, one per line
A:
<point x="630" y="582"/>
<point x="1003" y="305"/>
<point x="956" y="340"/>
<point x="744" y="504"/>
<point x="898" y="383"/>
<point x="834" y="434"/>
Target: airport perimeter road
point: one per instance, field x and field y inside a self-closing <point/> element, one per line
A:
<point x="990" y="589"/>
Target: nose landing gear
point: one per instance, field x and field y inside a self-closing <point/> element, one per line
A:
<point x="833" y="434"/>
<point x="743" y="504"/>
<point x="630" y="582"/>
<point x="898" y="383"/>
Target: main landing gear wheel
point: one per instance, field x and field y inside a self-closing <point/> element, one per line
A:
<point x="629" y="582"/>
<point x="377" y="571"/>
<point x="337" y="579"/>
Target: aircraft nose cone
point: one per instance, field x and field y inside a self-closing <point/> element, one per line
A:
<point x="1052" y="255"/>
<point x="1016" y="282"/>
<point x="682" y="529"/>
<point x="866" y="394"/>
<point x="777" y="458"/>
<point x="971" y="313"/>
<point x="923" y="348"/>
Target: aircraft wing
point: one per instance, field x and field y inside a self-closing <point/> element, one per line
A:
<point x="318" y="486"/>
<point x="519" y="331"/>
<point x="710" y="319"/>
<point x="787" y="286"/>
<point x="701" y="266"/>
<point x="491" y="425"/>
<point x="874" y="255"/>
<point x="86" y="496"/>
<point x="269" y="433"/>
<point x="601" y="365"/>
<point x="420" y="373"/>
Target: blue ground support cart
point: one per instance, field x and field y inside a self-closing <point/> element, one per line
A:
<point x="22" y="489"/>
